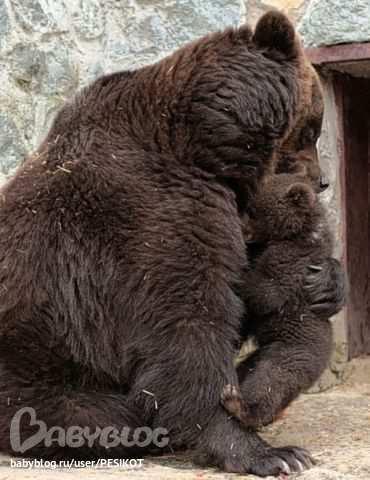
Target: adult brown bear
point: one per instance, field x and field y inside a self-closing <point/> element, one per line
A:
<point x="121" y="249"/>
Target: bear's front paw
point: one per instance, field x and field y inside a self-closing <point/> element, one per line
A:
<point x="233" y="449"/>
<point x="285" y="460"/>
<point x="267" y="462"/>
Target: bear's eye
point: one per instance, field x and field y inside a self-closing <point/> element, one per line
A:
<point x="309" y="136"/>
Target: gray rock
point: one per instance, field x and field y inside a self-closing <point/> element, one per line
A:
<point x="27" y="66"/>
<point x="329" y="22"/>
<point x="192" y="19"/>
<point x="88" y="19"/>
<point x="4" y="24"/>
<point x="48" y="16"/>
<point x="31" y="15"/>
<point x="150" y="29"/>
<point x="12" y="148"/>
<point x="62" y="76"/>
<point x="91" y="72"/>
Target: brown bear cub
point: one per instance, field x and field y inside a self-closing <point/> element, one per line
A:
<point x="288" y="225"/>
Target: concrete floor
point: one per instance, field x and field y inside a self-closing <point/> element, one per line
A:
<point x="334" y="426"/>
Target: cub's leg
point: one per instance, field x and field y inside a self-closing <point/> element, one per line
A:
<point x="278" y="371"/>
<point x="293" y="350"/>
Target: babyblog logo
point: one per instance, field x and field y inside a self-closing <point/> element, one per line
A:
<point x="75" y="437"/>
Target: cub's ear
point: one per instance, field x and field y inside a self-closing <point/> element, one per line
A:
<point x="301" y="195"/>
<point x="275" y="33"/>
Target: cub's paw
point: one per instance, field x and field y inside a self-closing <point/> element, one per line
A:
<point x="325" y="288"/>
<point x="252" y="413"/>
<point x="231" y="400"/>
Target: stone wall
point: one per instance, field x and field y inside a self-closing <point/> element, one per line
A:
<point x="321" y="22"/>
<point x="51" y="48"/>
<point x="329" y="22"/>
<point x="294" y="8"/>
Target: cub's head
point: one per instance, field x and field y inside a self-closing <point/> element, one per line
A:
<point x="285" y="207"/>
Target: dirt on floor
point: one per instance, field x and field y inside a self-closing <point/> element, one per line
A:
<point x="334" y="426"/>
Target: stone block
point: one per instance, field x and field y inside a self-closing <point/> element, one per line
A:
<point x="329" y="22"/>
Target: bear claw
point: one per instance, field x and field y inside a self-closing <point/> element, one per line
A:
<point x="231" y="400"/>
<point x="283" y="461"/>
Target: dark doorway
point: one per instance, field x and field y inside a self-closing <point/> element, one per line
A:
<point x="356" y="142"/>
<point x="349" y="67"/>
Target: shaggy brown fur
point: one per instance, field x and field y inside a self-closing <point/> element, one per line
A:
<point x="290" y="228"/>
<point x="121" y="248"/>
<point x="298" y="154"/>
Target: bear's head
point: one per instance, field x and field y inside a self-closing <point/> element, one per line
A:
<point x="297" y="154"/>
<point x="239" y="103"/>
<point x="285" y="207"/>
<point x="236" y="104"/>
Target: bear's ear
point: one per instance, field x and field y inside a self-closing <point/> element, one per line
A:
<point x="275" y="33"/>
<point x="301" y="195"/>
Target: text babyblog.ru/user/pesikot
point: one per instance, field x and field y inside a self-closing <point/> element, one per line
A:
<point x="128" y="464"/>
